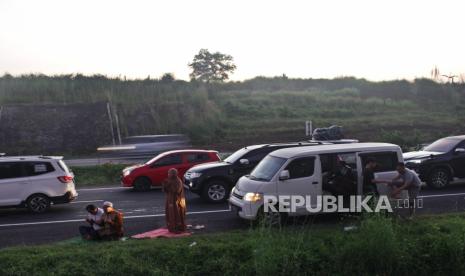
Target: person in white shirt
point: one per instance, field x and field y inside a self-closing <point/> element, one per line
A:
<point x="406" y="180"/>
<point x="94" y="219"/>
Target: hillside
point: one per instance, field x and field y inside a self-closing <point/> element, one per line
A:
<point x="229" y="115"/>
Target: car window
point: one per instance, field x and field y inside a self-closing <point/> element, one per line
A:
<point x="11" y="170"/>
<point x="301" y="167"/>
<point x="461" y="145"/>
<point x="197" y="157"/>
<point x="63" y="166"/>
<point x="37" y="168"/>
<point x="236" y="156"/>
<point x="256" y="156"/>
<point x="386" y="161"/>
<point x="173" y="159"/>
<point x="329" y="162"/>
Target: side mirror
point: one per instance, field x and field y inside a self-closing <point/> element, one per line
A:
<point x="459" y="150"/>
<point x="284" y="175"/>
<point x="244" y="162"/>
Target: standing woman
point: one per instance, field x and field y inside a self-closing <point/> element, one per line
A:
<point x="175" y="205"/>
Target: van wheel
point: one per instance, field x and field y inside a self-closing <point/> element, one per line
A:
<point x="215" y="191"/>
<point x="38" y="203"/>
<point x="142" y="184"/>
<point x="439" y="178"/>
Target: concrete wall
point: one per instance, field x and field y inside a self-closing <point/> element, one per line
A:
<point x="53" y="129"/>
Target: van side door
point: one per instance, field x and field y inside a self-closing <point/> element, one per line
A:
<point x="304" y="180"/>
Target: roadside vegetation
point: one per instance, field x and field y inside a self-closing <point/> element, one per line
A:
<point x="379" y="246"/>
<point x="232" y="114"/>
<point x="99" y="175"/>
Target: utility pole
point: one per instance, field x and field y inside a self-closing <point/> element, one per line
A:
<point x="118" y="131"/>
<point x="111" y="123"/>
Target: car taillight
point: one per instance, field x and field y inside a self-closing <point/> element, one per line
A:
<point x="65" y="179"/>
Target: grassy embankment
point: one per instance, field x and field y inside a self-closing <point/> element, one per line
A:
<point x="260" y="110"/>
<point x="100" y="175"/>
<point x="380" y="246"/>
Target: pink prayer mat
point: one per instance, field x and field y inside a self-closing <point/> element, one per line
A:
<point x="160" y="233"/>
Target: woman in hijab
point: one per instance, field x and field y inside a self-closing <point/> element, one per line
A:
<point x="175" y="205"/>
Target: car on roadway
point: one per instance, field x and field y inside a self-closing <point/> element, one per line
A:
<point x="145" y="145"/>
<point x="301" y="172"/>
<point x="35" y="182"/>
<point x="142" y="177"/>
<point x="440" y="162"/>
<point x="213" y="181"/>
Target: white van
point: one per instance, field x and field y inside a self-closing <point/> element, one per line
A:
<point x="35" y="182"/>
<point x="307" y="172"/>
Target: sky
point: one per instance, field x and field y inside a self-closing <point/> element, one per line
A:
<point x="373" y="39"/>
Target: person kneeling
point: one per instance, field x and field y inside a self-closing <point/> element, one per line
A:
<point x="112" y="223"/>
<point x="94" y="218"/>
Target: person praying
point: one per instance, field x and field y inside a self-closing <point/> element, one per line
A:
<point x="175" y="204"/>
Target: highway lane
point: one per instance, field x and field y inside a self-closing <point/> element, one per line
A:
<point x="144" y="212"/>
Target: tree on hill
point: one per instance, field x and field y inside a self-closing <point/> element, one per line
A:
<point x="167" y="77"/>
<point x="210" y="67"/>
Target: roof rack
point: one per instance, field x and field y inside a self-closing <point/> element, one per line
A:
<point x="50" y="157"/>
<point x="26" y="157"/>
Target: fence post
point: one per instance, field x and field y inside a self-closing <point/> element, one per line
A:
<point x="308" y="128"/>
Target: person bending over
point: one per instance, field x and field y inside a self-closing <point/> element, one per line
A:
<point x="112" y="223"/>
<point x="94" y="219"/>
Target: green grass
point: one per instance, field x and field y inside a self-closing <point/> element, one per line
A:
<point x="432" y="245"/>
<point x="260" y="110"/>
<point x="99" y="175"/>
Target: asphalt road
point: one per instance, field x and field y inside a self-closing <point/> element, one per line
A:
<point x="145" y="211"/>
<point x="142" y="212"/>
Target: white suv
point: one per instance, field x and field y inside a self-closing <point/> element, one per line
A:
<point x="35" y="182"/>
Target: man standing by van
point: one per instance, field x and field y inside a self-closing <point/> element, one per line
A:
<point x="406" y="180"/>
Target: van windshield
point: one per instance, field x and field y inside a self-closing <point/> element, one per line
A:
<point x="267" y="168"/>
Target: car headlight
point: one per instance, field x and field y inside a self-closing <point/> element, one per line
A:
<point x="127" y="172"/>
<point x="252" y="197"/>
<point x="194" y="175"/>
<point x="416" y="161"/>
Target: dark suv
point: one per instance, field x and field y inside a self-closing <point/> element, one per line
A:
<point x="214" y="181"/>
<point x="440" y="162"/>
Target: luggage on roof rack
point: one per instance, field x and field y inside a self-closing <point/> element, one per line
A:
<point x="328" y="133"/>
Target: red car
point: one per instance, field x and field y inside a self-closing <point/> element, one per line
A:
<point x="143" y="177"/>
